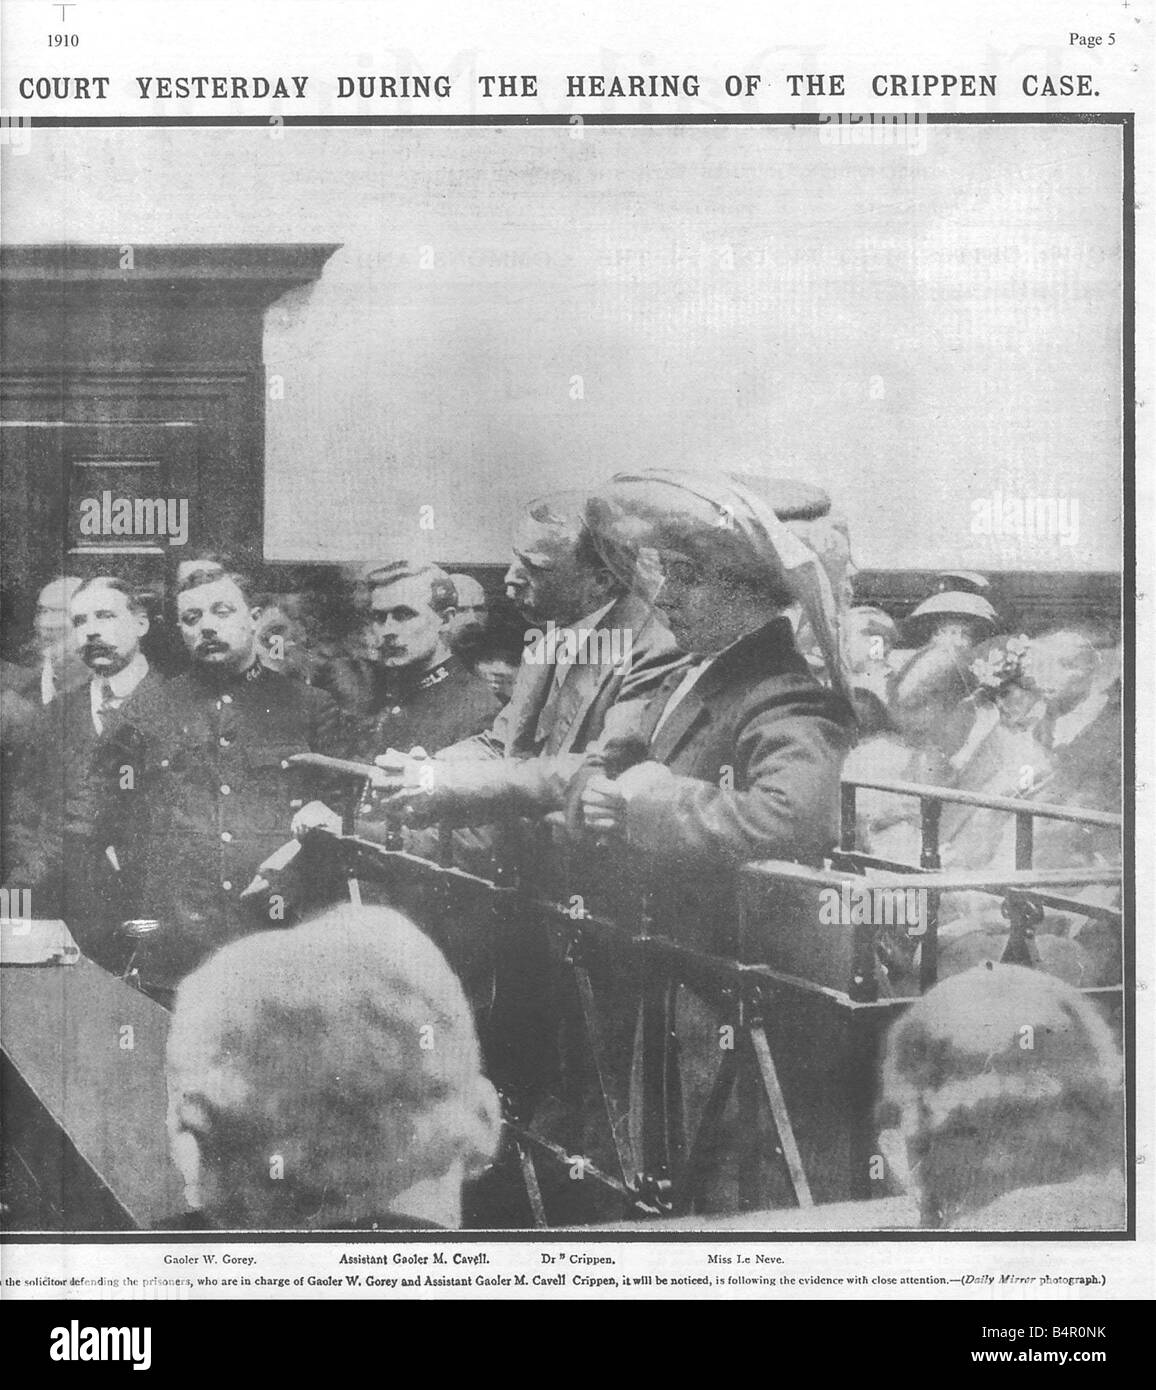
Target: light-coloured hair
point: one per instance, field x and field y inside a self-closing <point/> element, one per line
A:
<point x="331" y="1066"/>
<point x="1002" y="1078"/>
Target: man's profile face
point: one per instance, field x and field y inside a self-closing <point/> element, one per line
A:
<point x="217" y="624"/>
<point x="546" y="581"/>
<point x="1062" y="671"/>
<point x="406" y="629"/>
<point x="107" y="632"/>
<point x="865" y="646"/>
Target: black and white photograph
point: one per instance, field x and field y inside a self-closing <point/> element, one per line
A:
<point x="567" y="674"/>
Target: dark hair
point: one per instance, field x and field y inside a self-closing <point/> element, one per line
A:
<point x="210" y="573"/>
<point x="134" y="599"/>
<point x="499" y="638"/>
<point x="442" y="594"/>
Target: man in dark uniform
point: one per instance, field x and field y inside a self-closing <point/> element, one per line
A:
<point x="416" y="693"/>
<point x="216" y="793"/>
<point x="65" y="823"/>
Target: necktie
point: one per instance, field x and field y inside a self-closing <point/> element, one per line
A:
<point x="106" y="703"/>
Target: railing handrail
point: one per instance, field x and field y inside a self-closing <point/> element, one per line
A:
<point x="1023" y="880"/>
<point x="1041" y="809"/>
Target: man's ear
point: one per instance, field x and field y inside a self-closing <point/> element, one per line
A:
<point x="486" y="1129"/>
<point x="448" y="615"/>
<point x="142" y="624"/>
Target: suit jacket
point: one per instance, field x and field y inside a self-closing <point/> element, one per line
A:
<point x="546" y="717"/>
<point x="68" y="811"/>
<point x="215" y="795"/>
<point x="23" y="678"/>
<point x="554" y="714"/>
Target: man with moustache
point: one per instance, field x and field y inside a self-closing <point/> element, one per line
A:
<point x="520" y="765"/>
<point x="216" y="793"/>
<point x="414" y="692"/>
<point x="72" y="790"/>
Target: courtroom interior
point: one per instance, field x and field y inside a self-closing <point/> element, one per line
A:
<point x="564" y="677"/>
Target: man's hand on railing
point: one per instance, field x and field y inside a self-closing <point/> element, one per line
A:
<point x="397" y="769"/>
<point x="315" y="816"/>
<point x="605" y="801"/>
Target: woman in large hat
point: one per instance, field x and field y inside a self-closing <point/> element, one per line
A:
<point x="743" y="749"/>
<point x="737" y="758"/>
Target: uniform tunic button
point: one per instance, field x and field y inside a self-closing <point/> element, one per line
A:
<point x="284" y="762"/>
<point x="224" y="742"/>
<point x="396" y="709"/>
<point x="227" y="699"/>
<point x="227" y="885"/>
<point x="225" y="789"/>
<point x="227" y="837"/>
<point x="164" y="762"/>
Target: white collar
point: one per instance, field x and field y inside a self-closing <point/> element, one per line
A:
<point x="124" y="682"/>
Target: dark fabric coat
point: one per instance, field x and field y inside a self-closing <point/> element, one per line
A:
<point x="756" y="749"/>
<point x="398" y="709"/>
<point x="215" y="795"/>
<point x="68" y="810"/>
<point x="547" y="717"/>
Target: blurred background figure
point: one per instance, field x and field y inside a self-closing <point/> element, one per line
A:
<point x="929" y="720"/>
<point x="1002" y="1104"/>
<point x="493" y="650"/>
<point x="283" y="640"/>
<point x="471" y="609"/>
<point x="328" y="1078"/>
<point x="50" y="663"/>
<point x="869" y="636"/>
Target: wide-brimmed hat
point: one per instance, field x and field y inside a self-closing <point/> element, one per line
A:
<point x="791" y="499"/>
<point x="638" y="514"/>
<point x="955" y="603"/>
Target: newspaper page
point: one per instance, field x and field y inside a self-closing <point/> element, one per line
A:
<point x="577" y="704"/>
